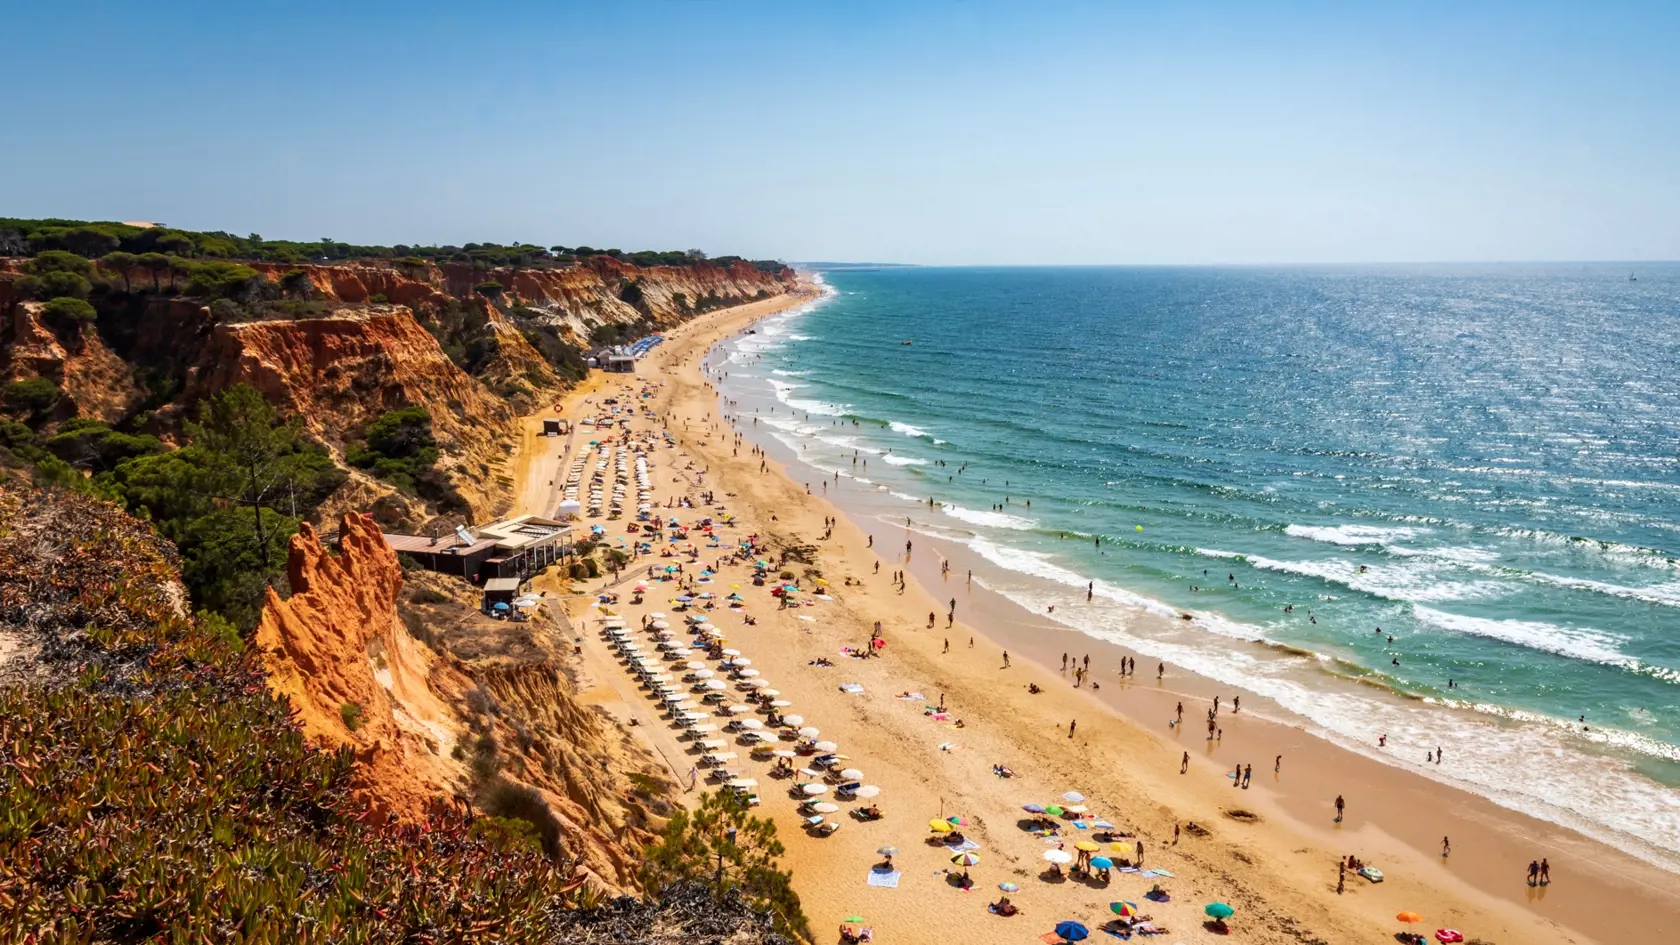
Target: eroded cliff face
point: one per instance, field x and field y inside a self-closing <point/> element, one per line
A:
<point x="339" y="372"/>
<point x="480" y="713"/>
<point x="96" y="382"/>
<point x="354" y="677"/>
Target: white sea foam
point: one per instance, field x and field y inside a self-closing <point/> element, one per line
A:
<point x="894" y="459"/>
<point x="1354" y="534"/>
<point x="819" y="407"/>
<point x="1408" y="581"/>
<point x="906" y="429"/>
<point x="1576" y="643"/>
<point x="989" y="518"/>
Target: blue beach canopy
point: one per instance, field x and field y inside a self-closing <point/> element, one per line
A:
<point x="1072" y="931"/>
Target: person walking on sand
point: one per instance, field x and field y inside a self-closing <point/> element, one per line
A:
<point x="1181" y="711"/>
<point x="1277" y="765"/>
<point x="1248" y="775"/>
<point x="1236" y="777"/>
<point x="1533" y="872"/>
<point x="1341" y="806"/>
<point x="1140" y="854"/>
<point x="1064" y="662"/>
<point x="1184" y="763"/>
<point x="947" y="645"/>
<point x="1545" y="872"/>
<point x="1071" y="726"/>
<point x="1160" y="671"/>
<point x="1175" y="833"/>
<point x="1005" y="659"/>
<point x="1446" y="847"/>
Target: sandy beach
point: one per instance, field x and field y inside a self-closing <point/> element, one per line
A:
<point x="1270" y="849"/>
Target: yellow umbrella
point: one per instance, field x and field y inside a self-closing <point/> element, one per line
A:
<point x="1121" y="847"/>
<point x="940" y="826"/>
<point x="822" y="582"/>
<point x="1088" y="846"/>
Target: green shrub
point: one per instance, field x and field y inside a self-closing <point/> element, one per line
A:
<point x="34" y="395"/>
<point x="66" y="312"/>
<point x="351" y="713"/>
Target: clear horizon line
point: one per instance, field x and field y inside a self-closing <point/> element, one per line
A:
<point x="1239" y="265"/>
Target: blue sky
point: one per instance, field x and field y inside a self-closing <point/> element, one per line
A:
<point x="937" y="132"/>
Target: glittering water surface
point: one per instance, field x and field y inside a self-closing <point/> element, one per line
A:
<point x="1484" y="462"/>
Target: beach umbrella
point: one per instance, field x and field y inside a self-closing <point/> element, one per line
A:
<point x="747" y="673"/>
<point x="1075" y="809"/>
<point x="1219" y="910"/>
<point x="751" y="724"/>
<point x="888" y="851"/>
<point x="771" y="694"/>
<point x="1058" y="856"/>
<point x="854" y="918"/>
<point x="740" y="709"/>
<point x="660" y="625"/>
<point x="714" y="684"/>
<point x="744" y="783"/>
<point x="794" y="720"/>
<point x="867" y="791"/>
<point x="706" y="674"/>
<point x="815" y="789"/>
<point x="1448" y="936"/>
<point x="777" y="703"/>
<point x="966" y="859"/>
<point x="1409" y="917"/>
<point x="825" y="808"/>
<point x="731" y="652"/>
<point x="1101" y="863"/>
<point x="695" y="665"/>
<point x="825" y="746"/>
<point x="1072" y="931"/>
<point x="657" y="615"/>
<point x="1009" y="887"/>
<point x="1089" y="846"/>
<point x="1119" y="847"/>
<point x="810" y="731"/>
<point x="939" y="825"/>
<point x="1053" y="810"/>
<point x="741" y="661"/>
<point x="1123" y="909"/>
<point x="852" y="774"/>
<point x="810" y="772"/>
<point x="785" y="753"/>
<point x="1073" y="797"/>
<point x="958" y="820"/>
<point x="1032" y="808"/>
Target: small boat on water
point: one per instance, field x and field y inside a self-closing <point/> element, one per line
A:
<point x="906" y="342"/>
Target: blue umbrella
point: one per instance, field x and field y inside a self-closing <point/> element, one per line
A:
<point x="1072" y="931"/>
<point x="1032" y="808"/>
<point x="499" y="605"/>
<point x="1101" y="863"/>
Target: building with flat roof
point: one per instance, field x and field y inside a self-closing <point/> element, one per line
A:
<point x="511" y="548"/>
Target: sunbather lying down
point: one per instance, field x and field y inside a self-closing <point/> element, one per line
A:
<point x="1003" y="907"/>
<point x="852" y="936"/>
<point x="1002" y="771"/>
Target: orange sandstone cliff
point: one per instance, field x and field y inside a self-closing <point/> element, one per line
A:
<point x="481" y="714"/>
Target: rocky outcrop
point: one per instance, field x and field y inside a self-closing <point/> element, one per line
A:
<point x="96" y="382"/>
<point x="341" y="371"/>
<point x="354" y="677"/>
<point x="479" y="713"/>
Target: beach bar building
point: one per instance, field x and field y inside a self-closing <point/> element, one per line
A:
<point x="512" y="548"/>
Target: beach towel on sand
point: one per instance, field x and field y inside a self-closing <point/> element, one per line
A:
<point x="884" y="880"/>
<point x="852" y="687"/>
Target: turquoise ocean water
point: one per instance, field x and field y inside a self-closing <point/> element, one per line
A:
<point x="1484" y="462"/>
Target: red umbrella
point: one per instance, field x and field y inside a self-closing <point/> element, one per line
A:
<point x="1448" y="936"/>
